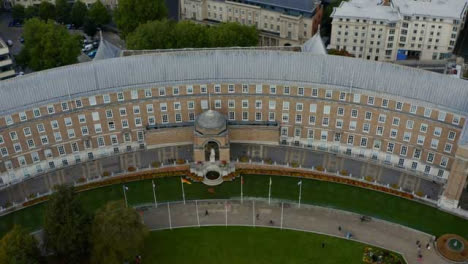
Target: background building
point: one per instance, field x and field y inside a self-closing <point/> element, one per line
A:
<point x="6" y="64"/>
<point x="391" y="30"/>
<point x="280" y="22"/>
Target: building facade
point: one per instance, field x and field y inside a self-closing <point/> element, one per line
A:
<point x="405" y="127"/>
<point x="394" y="30"/>
<point x="6" y="64"/>
<point x="279" y="22"/>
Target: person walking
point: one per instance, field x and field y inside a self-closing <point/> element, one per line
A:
<point x="339" y="228"/>
<point x="206" y="212"/>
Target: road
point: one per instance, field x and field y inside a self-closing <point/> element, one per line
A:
<point x="307" y="218"/>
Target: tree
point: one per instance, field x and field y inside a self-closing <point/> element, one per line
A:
<point x="62" y="11"/>
<point x="99" y="14"/>
<point x="17" y="12"/>
<point x="190" y="35"/>
<point x="232" y="34"/>
<point x="46" y="11"/>
<point x="89" y="27"/>
<point x="78" y="13"/>
<point x="129" y="14"/>
<point x="341" y="52"/>
<point x="31" y="11"/>
<point x="166" y="35"/>
<point x="325" y="28"/>
<point x="19" y="247"/>
<point x="47" y="45"/>
<point x="117" y="234"/>
<point x="66" y="226"/>
<point x="152" y="35"/>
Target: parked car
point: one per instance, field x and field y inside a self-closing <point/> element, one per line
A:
<point x="92" y="54"/>
<point x="9" y="43"/>
<point x="87" y="47"/>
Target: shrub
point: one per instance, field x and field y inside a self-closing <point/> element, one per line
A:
<point x="244" y="159"/>
<point x="294" y="164"/>
<point x="8" y="204"/>
<point x="106" y="174"/>
<point x="32" y="196"/>
<point x="369" y="178"/>
<point x="81" y="180"/>
<point x="131" y="168"/>
<point x="268" y="161"/>
<point x="320" y="168"/>
<point x="180" y="161"/>
<point x="156" y="164"/>
<point x="395" y="186"/>
<point x="420" y="193"/>
<point x="344" y="172"/>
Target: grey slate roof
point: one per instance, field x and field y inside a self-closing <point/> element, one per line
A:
<point x="106" y="50"/>
<point x="315" y="45"/>
<point x="224" y="66"/>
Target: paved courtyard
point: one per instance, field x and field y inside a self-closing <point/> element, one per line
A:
<point x="285" y="215"/>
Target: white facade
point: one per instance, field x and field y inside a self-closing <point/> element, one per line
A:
<point x="276" y="28"/>
<point x="421" y="30"/>
<point x="6" y="64"/>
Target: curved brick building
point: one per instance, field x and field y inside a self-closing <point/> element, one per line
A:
<point x="399" y="126"/>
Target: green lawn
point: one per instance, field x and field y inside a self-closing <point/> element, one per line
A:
<point x="380" y="205"/>
<point x="247" y="245"/>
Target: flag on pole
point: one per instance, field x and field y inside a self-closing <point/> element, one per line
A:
<point x="300" y="182"/>
<point x="242" y="180"/>
<point x="125" y="187"/>
<point x="185" y="181"/>
<point x="154" y="185"/>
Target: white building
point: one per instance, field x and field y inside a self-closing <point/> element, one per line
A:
<point x="280" y="22"/>
<point x="6" y="64"/>
<point x="390" y="30"/>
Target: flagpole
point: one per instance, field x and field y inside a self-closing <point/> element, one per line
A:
<point x="125" y="195"/>
<point x="183" y="191"/>
<point x="300" y="193"/>
<point x="242" y="193"/>
<point x="154" y="194"/>
<point x="269" y="192"/>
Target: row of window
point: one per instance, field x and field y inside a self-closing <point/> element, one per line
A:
<point x="286" y="90"/>
<point x="377" y="144"/>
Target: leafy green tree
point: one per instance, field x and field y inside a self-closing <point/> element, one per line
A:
<point x="31" y="11"/>
<point x="46" y="11"/>
<point x="99" y="14"/>
<point x="152" y="35"/>
<point x="66" y="226"/>
<point x="325" y="27"/>
<point x="129" y="14"/>
<point x="17" y="12"/>
<point x="89" y="27"/>
<point x="166" y="34"/>
<point x="79" y="13"/>
<point x="117" y="234"/>
<point x="190" y="35"/>
<point x="232" y="34"/>
<point x="19" y="247"/>
<point x="62" y="11"/>
<point x="47" y="45"/>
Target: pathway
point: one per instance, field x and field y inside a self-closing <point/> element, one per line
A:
<point x="307" y="218"/>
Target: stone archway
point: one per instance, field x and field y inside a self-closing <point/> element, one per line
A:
<point x="211" y="145"/>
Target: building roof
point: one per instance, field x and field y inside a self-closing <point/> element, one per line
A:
<point x="315" y="45"/>
<point x="210" y="120"/>
<point x="301" y="6"/>
<point x="106" y="50"/>
<point x="373" y="9"/>
<point x="227" y="66"/>
<point x="435" y="8"/>
<point x="366" y="9"/>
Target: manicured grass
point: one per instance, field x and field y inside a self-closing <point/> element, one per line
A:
<point x="355" y="199"/>
<point x="247" y="245"/>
